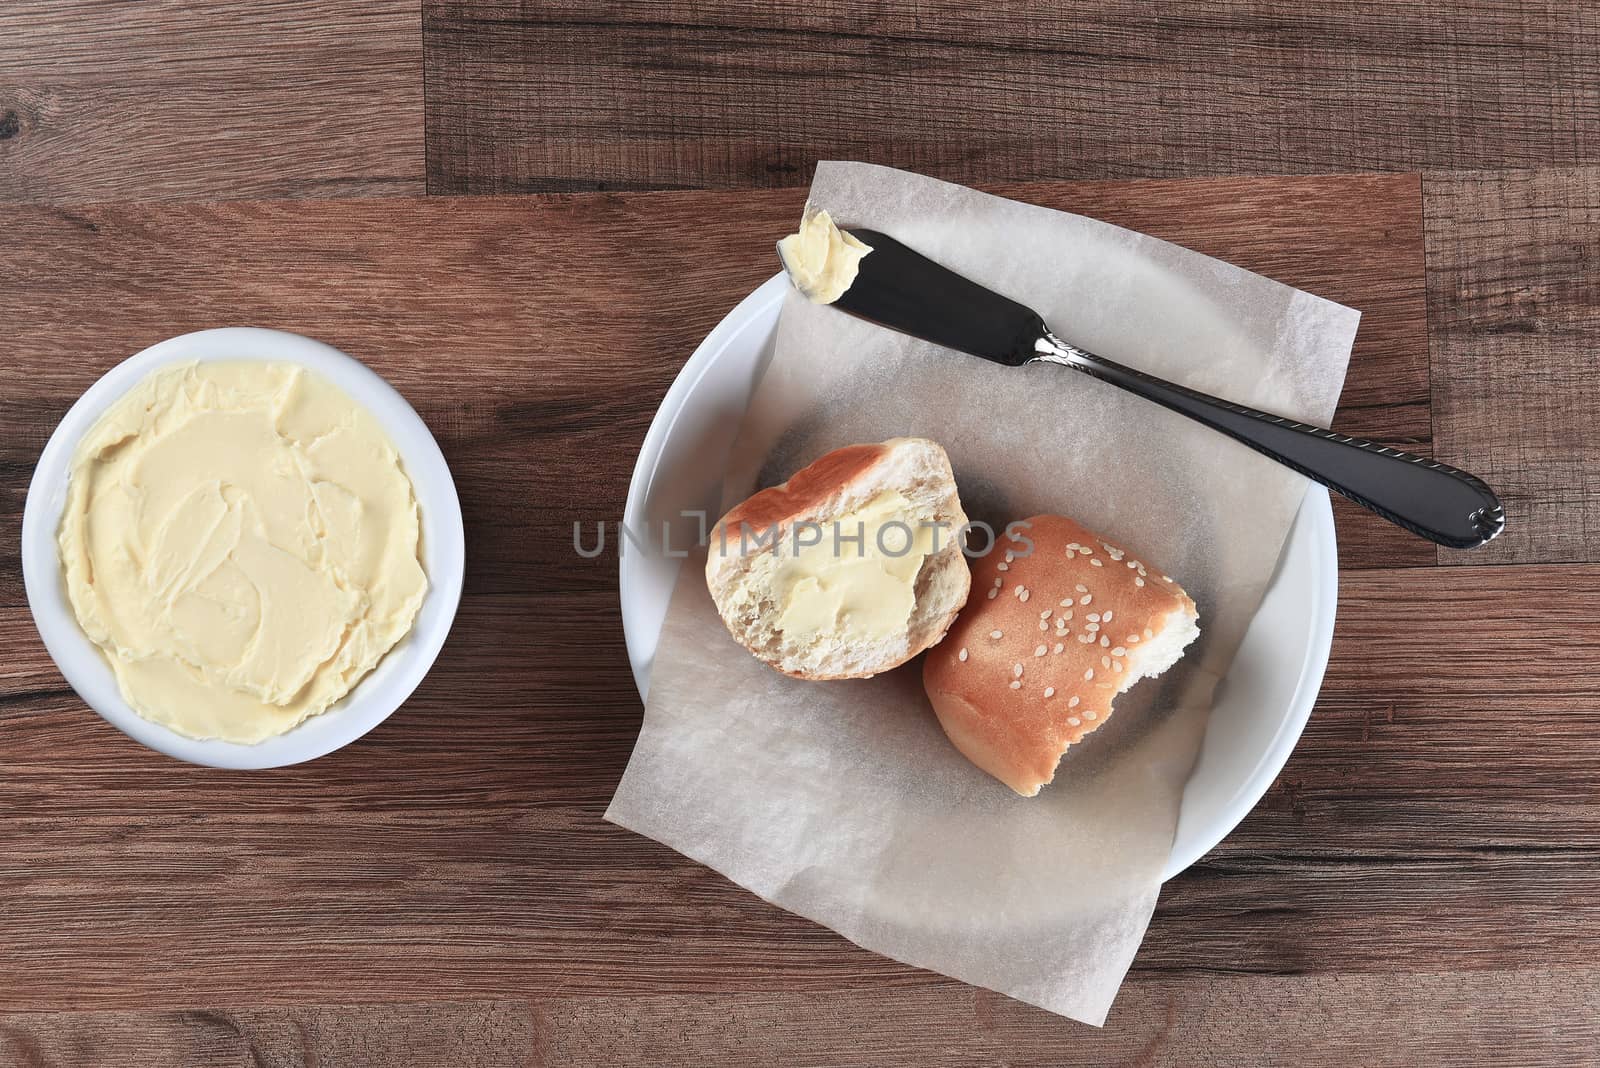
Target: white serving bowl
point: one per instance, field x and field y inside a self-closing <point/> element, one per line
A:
<point x="1261" y="706"/>
<point x="397" y="674"/>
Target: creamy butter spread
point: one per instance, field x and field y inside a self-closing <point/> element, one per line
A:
<point x="854" y="584"/>
<point x="241" y="542"/>
<point x="822" y="260"/>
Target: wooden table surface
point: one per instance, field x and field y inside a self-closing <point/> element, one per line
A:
<point x="1421" y="885"/>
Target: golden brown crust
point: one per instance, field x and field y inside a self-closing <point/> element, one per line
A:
<point x="1069" y="614"/>
<point x="806" y="491"/>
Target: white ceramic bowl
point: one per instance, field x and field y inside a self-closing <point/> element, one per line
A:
<point x="397" y="674"/>
<point x="1262" y="704"/>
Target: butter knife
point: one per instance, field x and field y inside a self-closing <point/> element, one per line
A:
<point x="903" y="290"/>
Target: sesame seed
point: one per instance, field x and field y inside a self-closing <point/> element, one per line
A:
<point x="1087" y="675"/>
<point x="1165" y="579"/>
<point x="963" y="654"/>
<point x="1066" y="602"/>
<point x="1085" y="639"/>
<point x="1148" y="633"/>
<point x="1090" y="714"/>
<point x="1107" y="617"/>
<point x="1023" y="596"/>
<point x="1040" y="650"/>
<point x="1091" y="627"/>
<point x="1049" y="691"/>
<point x="1043" y="625"/>
<point x="1015" y="685"/>
<point x="1058" y="648"/>
<point x="994" y="634"/>
<point x="1010" y="556"/>
<point x="998" y="583"/>
<point x="1073" y="703"/>
<point x="1105" y="661"/>
<point x="993" y="594"/>
<point x="1074" y="721"/>
<point x="1002" y="566"/>
<point x="1105" y="640"/>
<point x="1045" y="614"/>
<point x="1066" y="615"/>
<point x="1016" y="669"/>
<point x="1094" y="617"/>
<point x="1081" y="588"/>
<point x="1096" y="562"/>
<point x="1118" y="665"/>
<point x="1133" y="639"/>
<point x="1087" y="598"/>
<point x="1138" y="581"/>
<point x="1121" y="650"/>
<point x="1132" y="564"/>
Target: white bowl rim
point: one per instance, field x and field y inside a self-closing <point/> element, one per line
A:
<point x="1315" y="514"/>
<point x="381" y="692"/>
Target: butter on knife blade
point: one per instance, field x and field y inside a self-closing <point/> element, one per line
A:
<point x="821" y="259"/>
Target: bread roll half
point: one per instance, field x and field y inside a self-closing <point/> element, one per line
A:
<point x="1061" y="622"/>
<point x="850" y="568"/>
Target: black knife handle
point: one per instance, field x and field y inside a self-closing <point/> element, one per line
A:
<point x="1424" y="496"/>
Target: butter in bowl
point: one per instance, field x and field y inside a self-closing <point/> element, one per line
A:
<point x="242" y="548"/>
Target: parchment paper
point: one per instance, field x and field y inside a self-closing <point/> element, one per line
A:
<point x="843" y="801"/>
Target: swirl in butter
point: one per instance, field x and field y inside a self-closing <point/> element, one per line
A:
<point x="855" y="577"/>
<point x="241" y="542"/>
<point x="821" y="259"/>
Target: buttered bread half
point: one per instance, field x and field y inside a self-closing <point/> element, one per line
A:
<point x="850" y="568"/>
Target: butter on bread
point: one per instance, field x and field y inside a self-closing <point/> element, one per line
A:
<point x="1060" y="623"/>
<point x="850" y="568"/>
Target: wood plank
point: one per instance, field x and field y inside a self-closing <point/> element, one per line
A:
<point x="1515" y="310"/>
<point x="537" y="335"/>
<point x="1428" y="821"/>
<point x="152" y="100"/>
<point x="483" y="1034"/>
<point x="1545" y="1016"/>
<point x="564" y="95"/>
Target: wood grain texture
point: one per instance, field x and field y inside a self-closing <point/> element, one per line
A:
<point x="562" y="95"/>
<point x="537" y="335"/>
<point x="162" y="99"/>
<point x="483" y="1034"/>
<point x="1514" y="302"/>
<point x="1543" y="1016"/>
